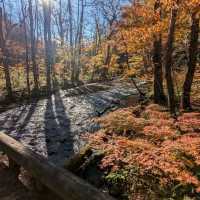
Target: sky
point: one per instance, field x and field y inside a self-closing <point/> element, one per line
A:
<point x="14" y="9"/>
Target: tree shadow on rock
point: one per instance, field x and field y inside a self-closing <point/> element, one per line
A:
<point x="17" y="120"/>
<point x="59" y="140"/>
<point x="29" y="114"/>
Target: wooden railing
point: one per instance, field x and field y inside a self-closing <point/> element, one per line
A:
<point x="64" y="184"/>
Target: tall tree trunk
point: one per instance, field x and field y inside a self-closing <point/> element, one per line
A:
<point x="106" y="62"/>
<point x="4" y="59"/>
<point x="193" y="53"/>
<point x="98" y="36"/>
<point x="27" y="66"/>
<point x="33" y="53"/>
<point x="48" y="43"/>
<point x="168" y="58"/>
<point x="7" y="76"/>
<point x="159" y="96"/>
<point x="80" y="34"/>
<point x="71" y="40"/>
<point x="27" y="69"/>
<point x="60" y="20"/>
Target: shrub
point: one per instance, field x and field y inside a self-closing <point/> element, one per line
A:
<point x="167" y="159"/>
<point x="189" y="122"/>
<point x="122" y="121"/>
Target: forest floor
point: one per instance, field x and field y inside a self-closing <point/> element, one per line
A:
<point x="52" y="127"/>
<point x="147" y="153"/>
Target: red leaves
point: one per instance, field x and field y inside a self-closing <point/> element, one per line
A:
<point x="159" y="149"/>
<point x="159" y="133"/>
<point x="189" y="122"/>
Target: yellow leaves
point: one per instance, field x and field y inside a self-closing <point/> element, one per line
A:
<point x="138" y="26"/>
<point x="136" y="39"/>
<point x="121" y="122"/>
<point x="192" y="5"/>
<point x="140" y="23"/>
<point x="183" y="4"/>
<point x="114" y="67"/>
<point x="130" y="72"/>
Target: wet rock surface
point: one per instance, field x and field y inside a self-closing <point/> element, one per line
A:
<point x="52" y="127"/>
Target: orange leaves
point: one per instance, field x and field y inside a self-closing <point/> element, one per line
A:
<point x="160" y="125"/>
<point x="159" y="150"/>
<point x="140" y="23"/>
<point x="192" y="5"/>
<point x="184" y="5"/>
<point x="189" y="122"/>
<point x="121" y="122"/>
<point x="137" y="27"/>
<point x="121" y="151"/>
<point x="159" y="133"/>
<point x="165" y="160"/>
<point x="138" y="14"/>
<point x="156" y="114"/>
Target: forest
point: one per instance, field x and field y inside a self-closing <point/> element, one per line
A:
<point x="105" y="90"/>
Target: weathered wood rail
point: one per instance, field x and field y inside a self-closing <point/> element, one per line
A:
<point x="60" y="181"/>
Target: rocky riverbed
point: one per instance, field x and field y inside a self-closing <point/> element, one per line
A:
<point x="52" y="127"/>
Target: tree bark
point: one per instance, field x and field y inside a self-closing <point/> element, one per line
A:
<point x="48" y="43"/>
<point x="193" y="54"/>
<point x="80" y="34"/>
<point x="33" y="56"/>
<point x="107" y="59"/>
<point x="71" y="40"/>
<point x="4" y="59"/>
<point x="60" y="22"/>
<point x="159" y="96"/>
<point x="7" y="75"/>
<point x="27" y="66"/>
<point x="168" y="58"/>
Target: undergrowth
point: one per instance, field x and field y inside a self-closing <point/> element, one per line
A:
<point x="148" y="154"/>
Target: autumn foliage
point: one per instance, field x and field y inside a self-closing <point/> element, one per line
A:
<point x="165" y="151"/>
